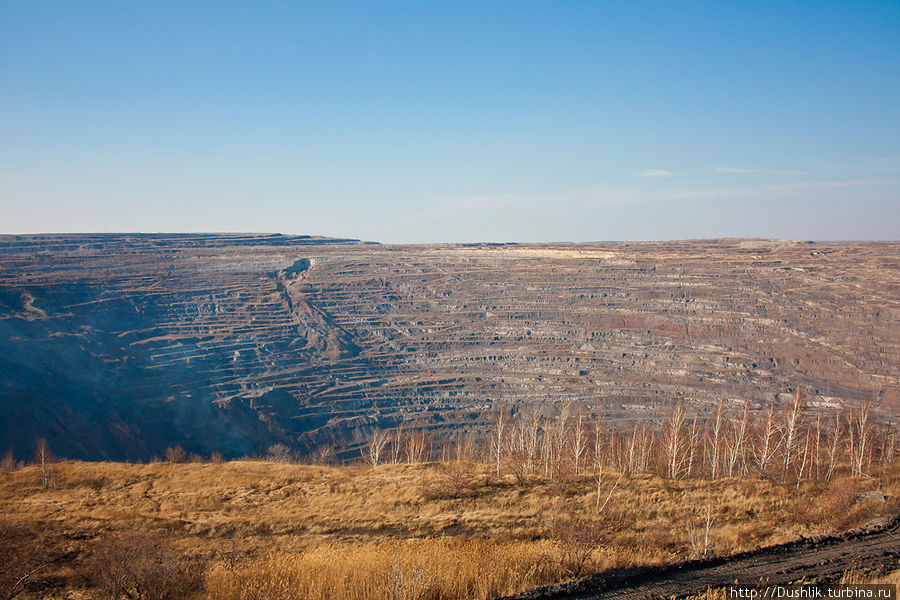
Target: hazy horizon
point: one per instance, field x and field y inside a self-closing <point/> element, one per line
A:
<point x="527" y="122"/>
<point x="452" y="242"/>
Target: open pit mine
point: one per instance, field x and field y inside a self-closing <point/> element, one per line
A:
<point x="118" y="346"/>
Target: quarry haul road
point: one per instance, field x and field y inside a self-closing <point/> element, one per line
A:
<point x="872" y="549"/>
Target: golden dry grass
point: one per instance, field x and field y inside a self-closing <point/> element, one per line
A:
<point x="442" y="568"/>
<point x="450" y="532"/>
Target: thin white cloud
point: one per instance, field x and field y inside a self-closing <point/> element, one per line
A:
<point x="598" y="196"/>
<point x="502" y="200"/>
<point x="745" y="171"/>
<point x="889" y="164"/>
<point x="734" y="170"/>
<point x="830" y="185"/>
<point x="654" y="173"/>
<point x="636" y="195"/>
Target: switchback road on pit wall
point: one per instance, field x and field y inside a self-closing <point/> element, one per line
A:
<point x="872" y="549"/>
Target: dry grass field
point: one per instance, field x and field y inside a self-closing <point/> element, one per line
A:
<point x="255" y="529"/>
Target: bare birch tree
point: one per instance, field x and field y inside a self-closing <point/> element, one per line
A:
<point x="674" y="442"/>
<point x="374" y="450"/>
<point x="598" y="444"/>
<point x="805" y="454"/>
<point x="632" y="450"/>
<point x="498" y="441"/>
<point x="768" y="443"/>
<point x="579" y="441"/>
<point x="524" y="442"/>
<point x="44" y="457"/>
<point x="397" y="444"/>
<point x="559" y="434"/>
<point x="861" y="427"/>
<point x="816" y="459"/>
<point x="599" y="507"/>
<point x="693" y="438"/>
<point x="835" y="445"/>
<point x="416" y="447"/>
<point x="716" y="441"/>
<point x="735" y="445"/>
<point x="791" y="427"/>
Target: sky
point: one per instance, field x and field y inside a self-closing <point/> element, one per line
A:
<point x="411" y="122"/>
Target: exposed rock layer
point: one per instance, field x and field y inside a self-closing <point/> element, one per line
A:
<point x="116" y="346"/>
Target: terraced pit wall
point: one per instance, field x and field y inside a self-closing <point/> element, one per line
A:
<point x="117" y="346"/>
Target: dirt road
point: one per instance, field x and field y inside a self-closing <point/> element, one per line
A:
<point x="872" y="549"/>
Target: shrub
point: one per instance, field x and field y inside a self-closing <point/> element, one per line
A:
<point x="836" y="506"/>
<point x="279" y="453"/>
<point x="577" y="538"/>
<point x="453" y="480"/>
<point x="8" y="463"/>
<point x="139" y="566"/>
<point x="175" y="454"/>
<point x="25" y="554"/>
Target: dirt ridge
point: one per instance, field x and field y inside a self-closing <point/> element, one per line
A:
<point x="872" y="549"/>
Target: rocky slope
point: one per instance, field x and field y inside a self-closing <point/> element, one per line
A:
<point x="116" y="346"/>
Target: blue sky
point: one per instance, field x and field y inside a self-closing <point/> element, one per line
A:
<point x="453" y="121"/>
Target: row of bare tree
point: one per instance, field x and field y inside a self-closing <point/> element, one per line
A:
<point x="788" y="442"/>
<point x="396" y="446"/>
